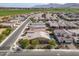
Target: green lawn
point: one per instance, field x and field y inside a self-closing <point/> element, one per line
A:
<point x="13" y="12"/>
<point x="66" y="10"/>
<point x="5" y="12"/>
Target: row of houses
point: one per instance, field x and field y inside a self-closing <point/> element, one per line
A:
<point x="45" y="17"/>
<point x="13" y="22"/>
<point x="64" y="36"/>
<point x="62" y="24"/>
<point x="70" y="17"/>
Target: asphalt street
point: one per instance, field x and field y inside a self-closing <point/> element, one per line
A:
<point x="9" y="42"/>
<point x="45" y="53"/>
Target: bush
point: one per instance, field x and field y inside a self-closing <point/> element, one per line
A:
<point x="24" y="43"/>
<point x="30" y="47"/>
<point x="35" y="42"/>
<point x="2" y="37"/>
<point x="47" y="47"/>
<point x="5" y="33"/>
<point x="52" y="42"/>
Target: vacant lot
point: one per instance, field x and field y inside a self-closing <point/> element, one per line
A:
<point x="2" y="29"/>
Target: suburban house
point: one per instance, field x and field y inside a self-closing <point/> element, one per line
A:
<point x="76" y="40"/>
<point x="62" y="24"/>
<point x="36" y="26"/>
<point x="63" y="36"/>
<point x="71" y="25"/>
<point x="53" y="24"/>
<point x="38" y="35"/>
<point x="75" y="34"/>
<point x="37" y="30"/>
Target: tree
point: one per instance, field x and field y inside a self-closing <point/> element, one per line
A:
<point x="24" y="43"/>
<point x="1" y="37"/>
<point x="7" y="31"/>
<point x="44" y="15"/>
<point x="52" y="42"/>
<point x="34" y="42"/>
<point x="33" y="20"/>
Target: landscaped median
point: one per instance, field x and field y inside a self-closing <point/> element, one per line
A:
<point x="5" y="33"/>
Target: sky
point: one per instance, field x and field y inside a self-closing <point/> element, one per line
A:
<point x="19" y="4"/>
<point x="39" y="1"/>
<point x="30" y="3"/>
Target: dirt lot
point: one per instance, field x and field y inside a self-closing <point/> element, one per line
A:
<point x="2" y="29"/>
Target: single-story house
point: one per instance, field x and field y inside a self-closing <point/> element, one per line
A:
<point x="40" y="34"/>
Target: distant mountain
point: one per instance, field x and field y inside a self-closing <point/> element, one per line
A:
<point x="39" y="5"/>
<point x="55" y="5"/>
<point x="51" y="5"/>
